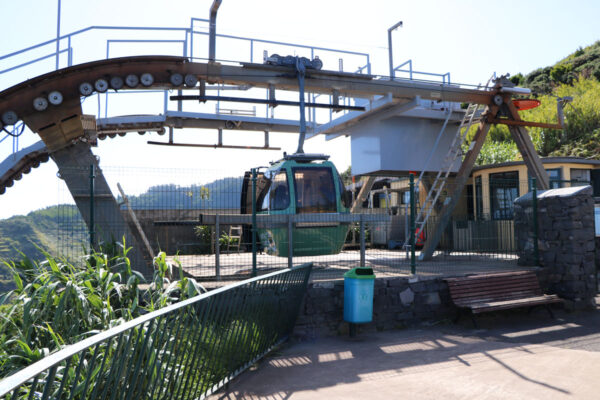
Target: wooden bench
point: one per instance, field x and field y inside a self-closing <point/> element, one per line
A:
<point x="501" y="291"/>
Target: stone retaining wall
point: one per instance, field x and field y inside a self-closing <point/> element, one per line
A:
<point x="566" y="242"/>
<point x="397" y="302"/>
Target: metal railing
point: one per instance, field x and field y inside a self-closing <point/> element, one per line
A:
<point x="185" y="351"/>
<point x="445" y="77"/>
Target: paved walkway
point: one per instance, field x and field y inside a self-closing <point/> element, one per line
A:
<point x="515" y="356"/>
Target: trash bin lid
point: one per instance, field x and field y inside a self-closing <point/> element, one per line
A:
<point x="360" y="273"/>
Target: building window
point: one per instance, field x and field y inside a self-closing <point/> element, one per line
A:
<point x="504" y="189"/>
<point x="470" y="208"/>
<point x="580" y="177"/>
<point x="555" y="175"/>
<point x="478" y="198"/>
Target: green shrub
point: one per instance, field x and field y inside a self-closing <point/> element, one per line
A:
<point x="55" y="302"/>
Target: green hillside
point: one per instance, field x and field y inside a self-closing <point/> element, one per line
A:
<point x="577" y="75"/>
<point x="60" y="229"/>
<point x="37" y="230"/>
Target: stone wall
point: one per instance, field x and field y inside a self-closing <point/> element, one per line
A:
<point x="397" y="302"/>
<point x="566" y="242"/>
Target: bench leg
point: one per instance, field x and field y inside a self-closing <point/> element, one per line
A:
<point x="458" y="315"/>
<point x="550" y="311"/>
<point x="474" y="321"/>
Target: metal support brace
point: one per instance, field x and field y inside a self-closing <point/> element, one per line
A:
<point x="136" y="223"/>
<point x="527" y="149"/>
<point x="301" y="71"/>
<point x="368" y="182"/>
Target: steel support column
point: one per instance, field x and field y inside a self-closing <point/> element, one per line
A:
<point x="109" y="223"/>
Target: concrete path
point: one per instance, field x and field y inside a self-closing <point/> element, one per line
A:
<point x="515" y="356"/>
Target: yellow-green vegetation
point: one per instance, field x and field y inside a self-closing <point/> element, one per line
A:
<point x="56" y="303"/>
<point x="576" y="76"/>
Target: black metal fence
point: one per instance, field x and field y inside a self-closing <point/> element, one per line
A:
<point x="194" y="216"/>
<point x="183" y="351"/>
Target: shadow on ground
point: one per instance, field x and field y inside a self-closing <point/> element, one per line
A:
<point x="514" y="355"/>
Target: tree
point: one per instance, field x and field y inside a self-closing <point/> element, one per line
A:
<point x="347" y="176"/>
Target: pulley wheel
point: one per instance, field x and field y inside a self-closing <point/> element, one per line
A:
<point x="176" y="79"/>
<point x="116" y="82"/>
<point x="147" y="79"/>
<point x="9" y="118"/>
<point x="101" y="85"/>
<point x="191" y="80"/>
<point x="498" y="100"/>
<point x="55" y="98"/>
<point x="40" y="103"/>
<point x="132" y="80"/>
<point x="86" y="88"/>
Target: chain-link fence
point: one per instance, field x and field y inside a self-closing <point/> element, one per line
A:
<point x="203" y="219"/>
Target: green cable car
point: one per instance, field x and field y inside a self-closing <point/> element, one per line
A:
<point x="300" y="184"/>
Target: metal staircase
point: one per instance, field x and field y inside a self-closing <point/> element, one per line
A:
<point x="472" y="116"/>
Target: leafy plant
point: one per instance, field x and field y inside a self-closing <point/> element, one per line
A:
<point x="56" y="302"/>
<point x="225" y="240"/>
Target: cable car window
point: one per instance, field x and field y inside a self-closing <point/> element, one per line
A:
<point x="279" y="196"/>
<point x="315" y="190"/>
<point x="262" y="198"/>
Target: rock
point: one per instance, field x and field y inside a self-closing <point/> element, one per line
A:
<point x="407" y="297"/>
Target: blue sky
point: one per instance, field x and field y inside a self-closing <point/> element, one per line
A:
<point x="469" y="39"/>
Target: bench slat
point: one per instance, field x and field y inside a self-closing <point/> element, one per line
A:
<point x="491" y="298"/>
<point x="495" y="290"/>
<point x="503" y="305"/>
<point x="479" y="282"/>
<point x="483" y="293"/>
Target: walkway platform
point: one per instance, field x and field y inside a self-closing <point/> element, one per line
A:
<point x="237" y="266"/>
<point x="517" y="356"/>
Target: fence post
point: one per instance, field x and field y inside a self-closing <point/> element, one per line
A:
<point x="413" y="265"/>
<point x="290" y="242"/>
<point x="253" y="222"/>
<point x="92" y="210"/>
<point x="362" y="242"/>
<point x="536" y="253"/>
<point x="217" y="247"/>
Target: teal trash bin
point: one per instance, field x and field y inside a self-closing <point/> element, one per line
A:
<point x="359" y="284"/>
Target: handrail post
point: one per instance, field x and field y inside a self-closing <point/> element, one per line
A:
<point x="58" y="36"/>
<point x="536" y="254"/>
<point x="362" y="242"/>
<point x="253" y="222"/>
<point x="92" y="211"/>
<point x="413" y="265"/>
<point x="290" y="241"/>
<point x="217" y="247"/>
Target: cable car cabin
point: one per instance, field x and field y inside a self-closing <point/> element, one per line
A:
<point x="300" y="184"/>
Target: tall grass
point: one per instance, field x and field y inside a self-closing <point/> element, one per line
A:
<point x="56" y="302"/>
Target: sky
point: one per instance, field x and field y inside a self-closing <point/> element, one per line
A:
<point x="469" y="39"/>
